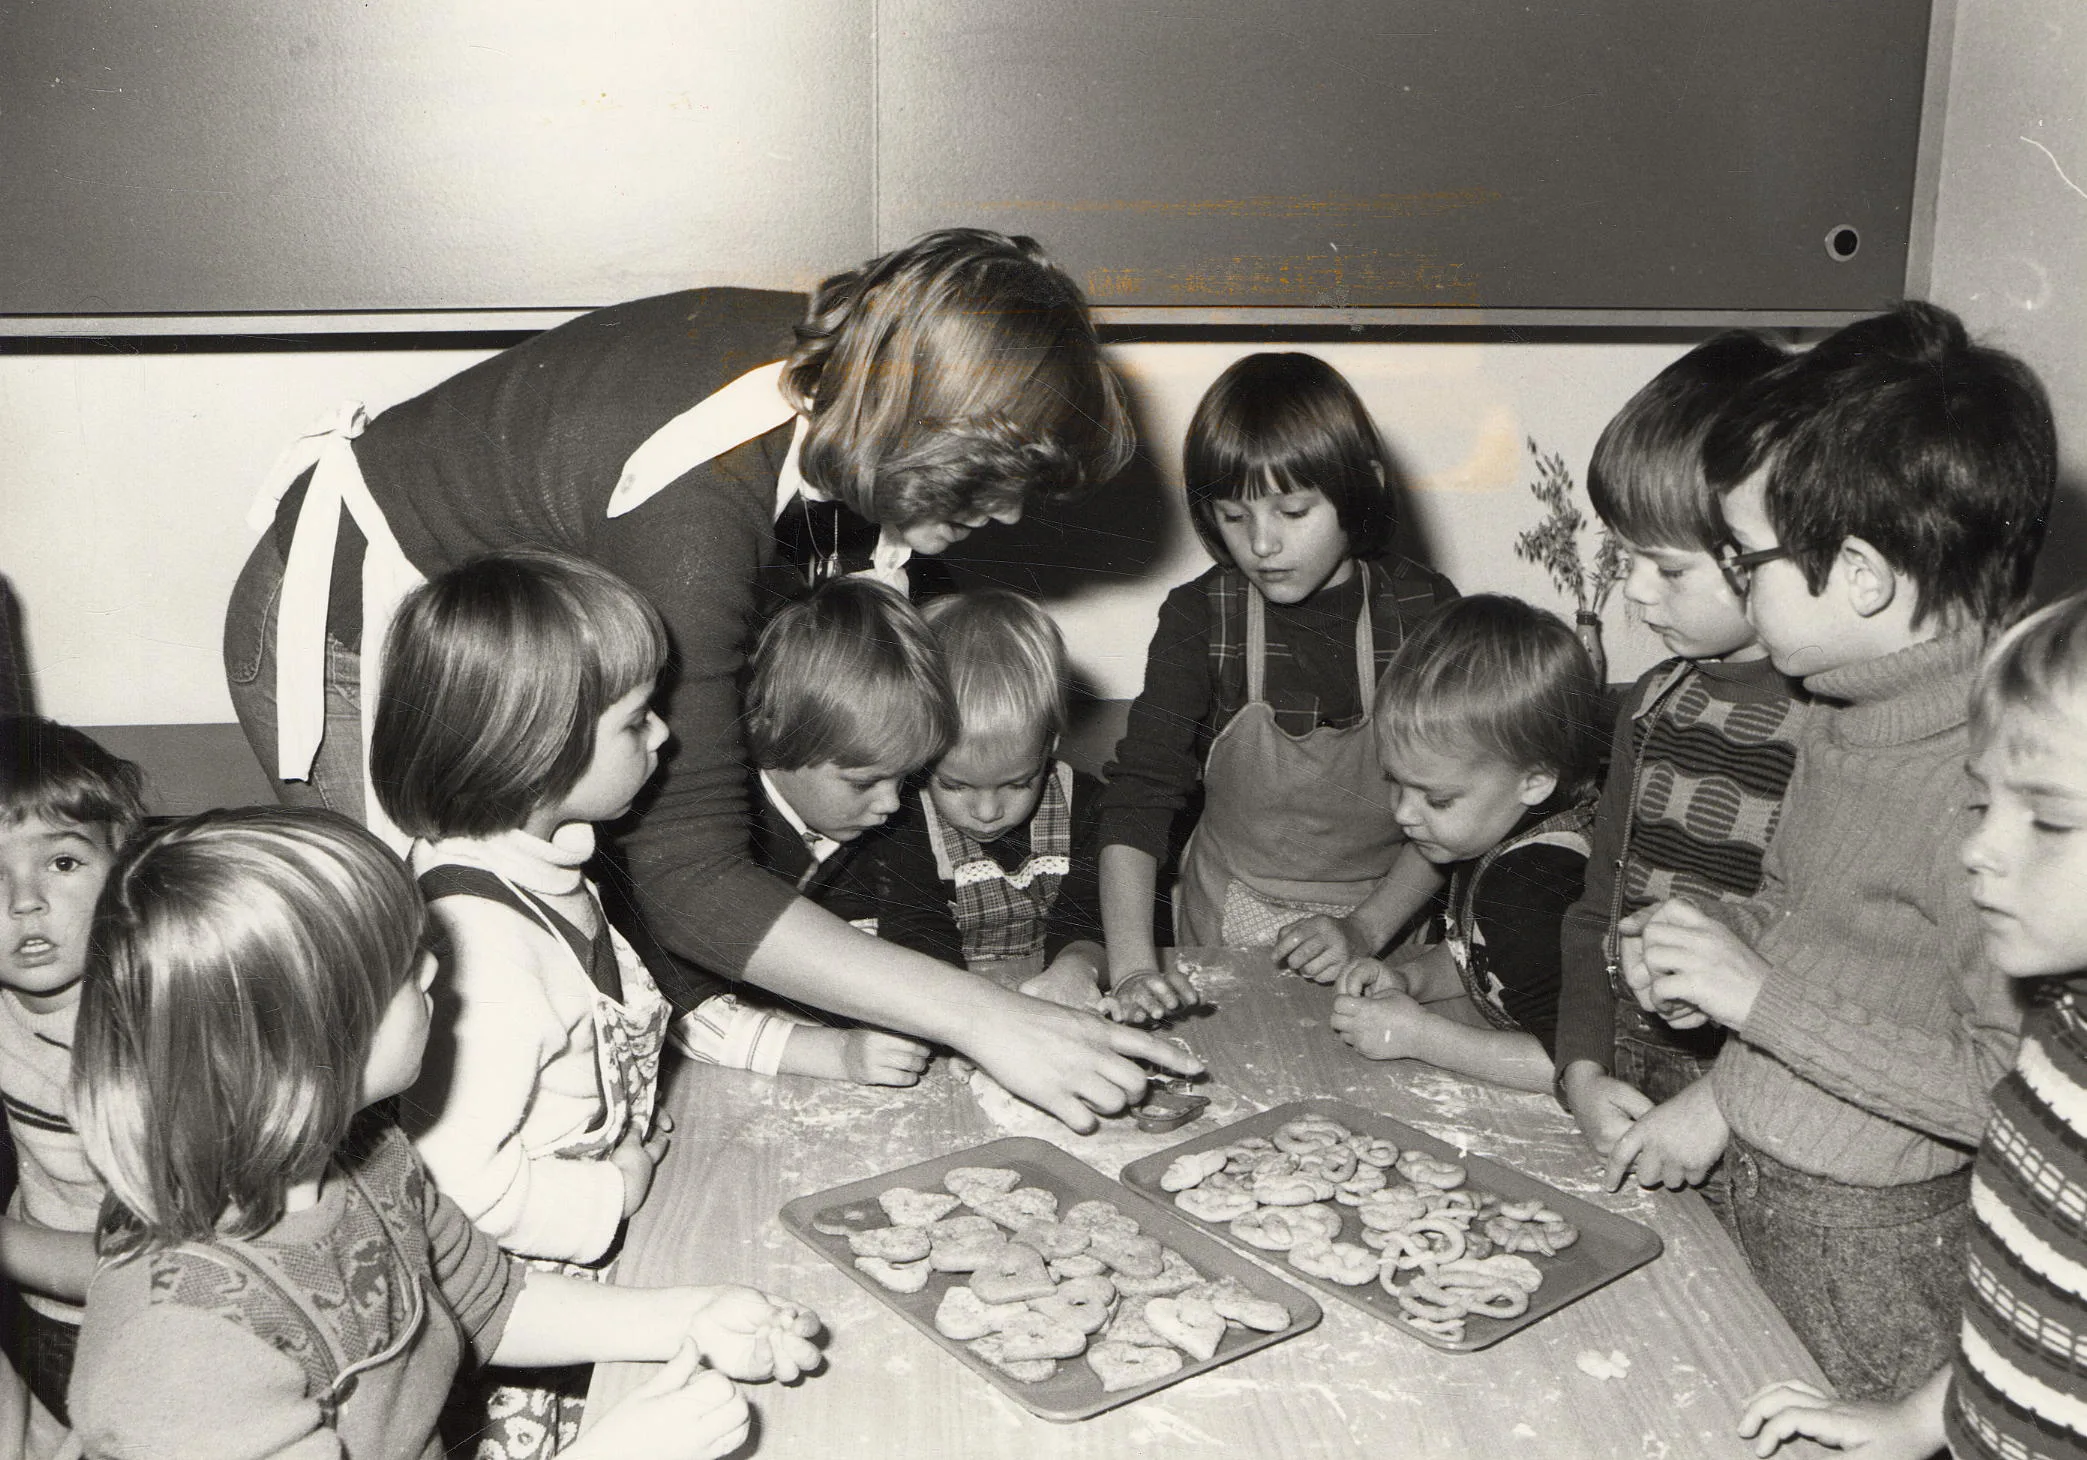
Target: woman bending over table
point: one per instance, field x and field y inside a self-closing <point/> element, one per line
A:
<point x="950" y="383"/>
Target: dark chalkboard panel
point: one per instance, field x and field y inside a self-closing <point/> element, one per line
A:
<point x="217" y="156"/>
<point x="1600" y="154"/>
<point x="350" y="157"/>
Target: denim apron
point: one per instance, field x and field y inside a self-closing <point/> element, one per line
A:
<point x="1292" y="824"/>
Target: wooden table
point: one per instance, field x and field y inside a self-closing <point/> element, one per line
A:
<point x="1698" y="1334"/>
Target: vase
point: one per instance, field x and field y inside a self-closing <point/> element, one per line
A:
<point x="1587" y="629"/>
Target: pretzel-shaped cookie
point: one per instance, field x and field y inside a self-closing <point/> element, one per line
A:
<point x="1309" y="1133"/>
<point x="1337" y="1262"/>
<point x="1424" y="1170"/>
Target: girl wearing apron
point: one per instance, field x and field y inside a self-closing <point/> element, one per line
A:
<point x="1267" y="666"/>
<point x="515" y="714"/>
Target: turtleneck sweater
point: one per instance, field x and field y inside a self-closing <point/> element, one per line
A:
<point x="1871" y="1050"/>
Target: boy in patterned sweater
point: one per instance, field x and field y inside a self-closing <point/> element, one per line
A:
<point x="2016" y="1387"/>
<point x="1702" y="753"/>
<point x="66" y="808"/>
<point x="1885" y="495"/>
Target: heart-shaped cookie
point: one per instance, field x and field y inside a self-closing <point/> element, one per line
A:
<point x="1132" y="1256"/>
<point x="893" y="1244"/>
<point x="1035" y="1335"/>
<point x="1015" y="1274"/>
<point x="1092" y="1214"/>
<point x="963" y="1315"/>
<point x="840" y="1221"/>
<point x="1126" y="1365"/>
<point x="993" y="1349"/>
<point x="1190" y="1324"/>
<point x="1085" y="1264"/>
<point x="909" y="1208"/>
<point x="975" y="1181"/>
<point x="1018" y="1208"/>
<point x="1174" y="1275"/>
<point x="1082" y="1303"/>
<point x="900" y="1277"/>
<point x="966" y="1254"/>
<point x="1052" y="1239"/>
<point x="963" y="1224"/>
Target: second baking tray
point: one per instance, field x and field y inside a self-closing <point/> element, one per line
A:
<point x="1073" y="1392"/>
<point x="1609" y="1245"/>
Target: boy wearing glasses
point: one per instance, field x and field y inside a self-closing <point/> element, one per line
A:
<point x="1701" y="756"/>
<point x="1885" y="496"/>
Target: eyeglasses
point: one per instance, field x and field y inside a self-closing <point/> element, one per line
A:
<point x="1738" y="567"/>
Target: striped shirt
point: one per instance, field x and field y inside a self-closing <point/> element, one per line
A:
<point x="2020" y="1383"/>
<point x="57" y="1189"/>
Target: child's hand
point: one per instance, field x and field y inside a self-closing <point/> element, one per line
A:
<point x="1319" y="947"/>
<point x="1696" y="961"/>
<point x="1381" y="1028"/>
<point x="1673" y="1145"/>
<point x="1150" y="996"/>
<point x="1906" y="1430"/>
<point x="750" y="1335"/>
<point x="681" y="1413"/>
<point x="1604" y="1106"/>
<point x="1072" y="980"/>
<point x="1370" y="978"/>
<point x="636" y="1155"/>
<point x="877" y="1057"/>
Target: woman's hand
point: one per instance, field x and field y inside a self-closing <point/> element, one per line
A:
<point x="750" y="1335"/>
<point x="1070" y="1063"/>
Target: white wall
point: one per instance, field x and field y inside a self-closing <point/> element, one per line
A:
<point x="125" y="479"/>
<point x="2010" y="251"/>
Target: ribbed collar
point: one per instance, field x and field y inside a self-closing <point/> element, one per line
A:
<point x="549" y="867"/>
<point x="1919" y="691"/>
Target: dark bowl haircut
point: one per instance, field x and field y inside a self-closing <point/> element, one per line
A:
<point x="1288" y="422"/>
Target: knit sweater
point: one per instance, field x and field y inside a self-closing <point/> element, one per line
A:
<point x="55" y="1187"/>
<point x="2020" y="1387"/>
<point x="186" y="1352"/>
<point x="1709" y="762"/>
<point x="1870" y="1050"/>
<point x="1195" y="681"/>
<point x="522" y="450"/>
<point x="513" y="1080"/>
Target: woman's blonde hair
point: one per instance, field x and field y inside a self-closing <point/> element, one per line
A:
<point x="956" y="376"/>
<point x="240" y="964"/>
<point x="1006" y="664"/>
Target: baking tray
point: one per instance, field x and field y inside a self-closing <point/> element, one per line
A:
<point x="1609" y="1245"/>
<point x="1073" y="1393"/>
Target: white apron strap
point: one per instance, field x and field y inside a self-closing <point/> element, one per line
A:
<point x="300" y="644"/>
<point x="750" y="406"/>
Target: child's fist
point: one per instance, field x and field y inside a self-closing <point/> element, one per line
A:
<point x="876" y="1057"/>
<point x="681" y="1413"/>
<point x="750" y="1335"/>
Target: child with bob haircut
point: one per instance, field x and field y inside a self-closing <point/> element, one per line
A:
<point x="996" y="867"/>
<point x="67" y="807"/>
<point x="1259" y="680"/>
<point x="257" y="979"/>
<point x="1486" y="722"/>
<point x="2009" y="1390"/>
<point x="1885" y="495"/>
<point x="1702" y="754"/>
